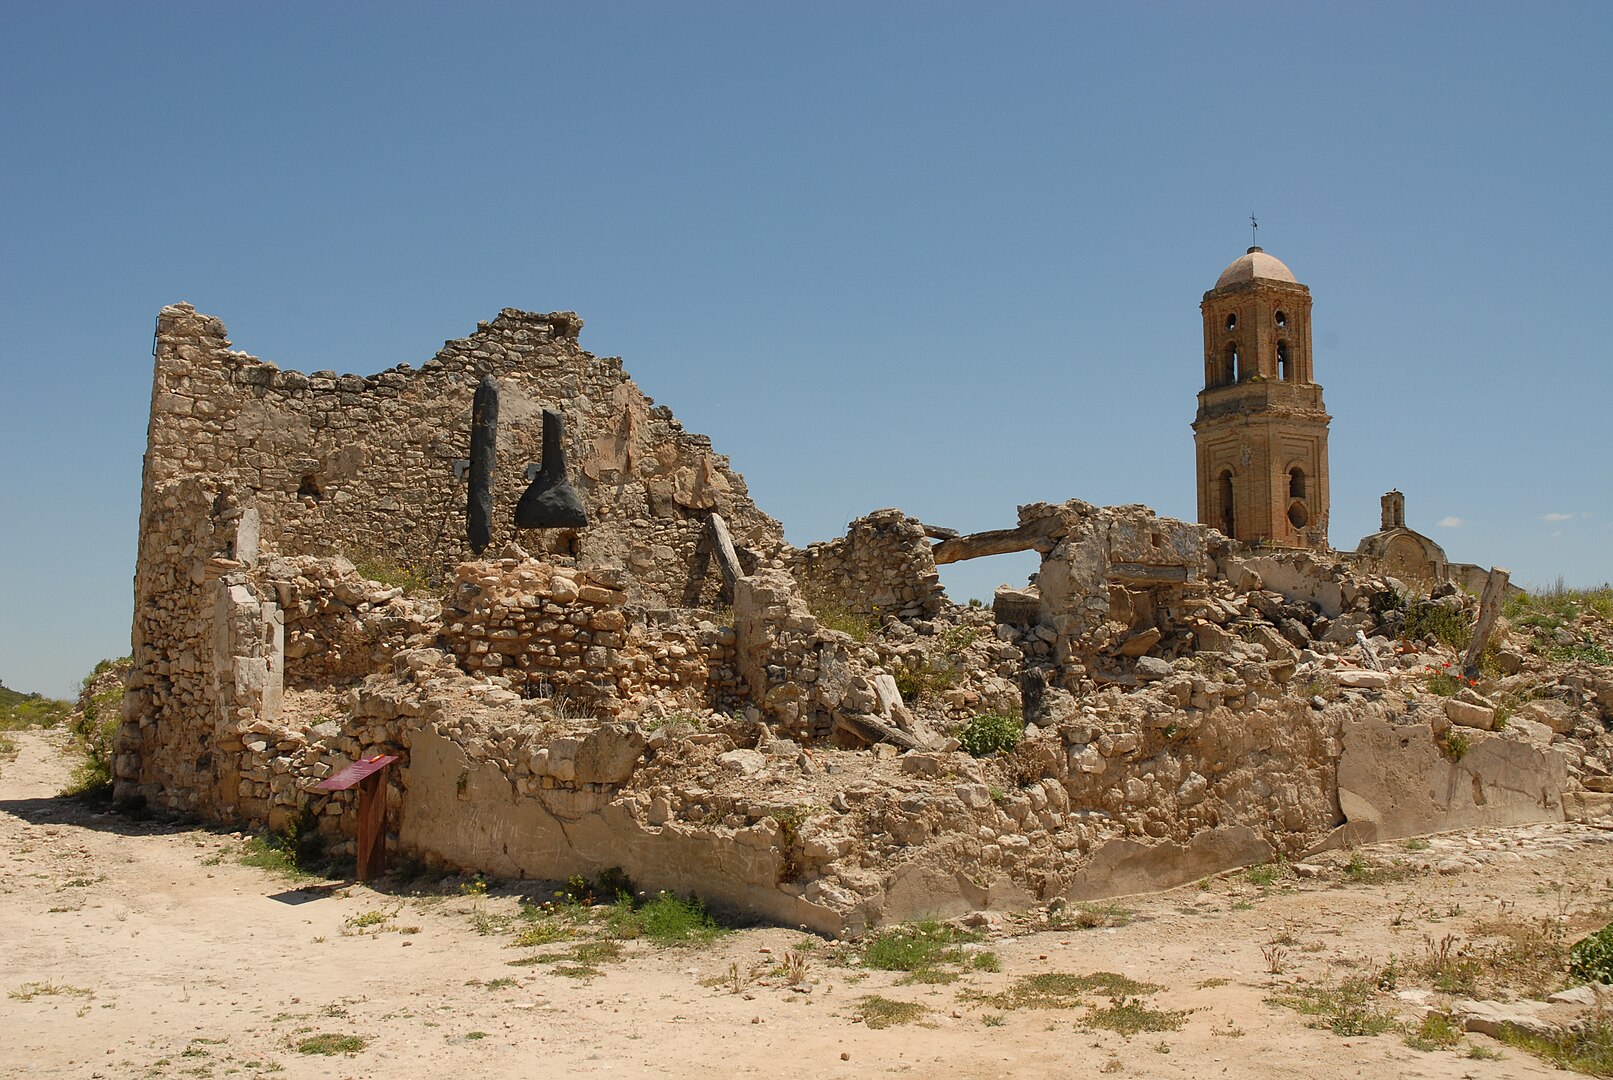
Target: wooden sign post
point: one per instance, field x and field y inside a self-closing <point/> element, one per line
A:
<point x="370" y="777"/>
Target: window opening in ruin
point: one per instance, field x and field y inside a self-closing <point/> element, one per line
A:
<point x="1296" y="483"/>
<point x="1228" y="519"/>
<point x="1297" y="517"/>
<point x="309" y="488"/>
<point x="1230" y="368"/>
<point x="1232" y="322"/>
<point x="1283" y="369"/>
<point x="1282" y="321"/>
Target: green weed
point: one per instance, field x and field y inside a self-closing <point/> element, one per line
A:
<point x="1591" y="957"/>
<point x="991" y="733"/>
<point x="330" y="1044"/>
<point x="1054" y="990"/>
<point x="1436" y="1032"/>
<point x="925" y="678"/>
<point x="883" y="1012"/>
<point x="384" y="570"/>
<point x="1586" y="1048"/>
<point x="920" y="949"/>
<point x="1129" y="1016"/>
<point x="664" y="919"/>
<point x="29" y="991"/>
<point x="1346" y="1009"/>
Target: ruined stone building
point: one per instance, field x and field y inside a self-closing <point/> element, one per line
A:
<point x="1261" y="430"/>
<point x="671" y="689"/>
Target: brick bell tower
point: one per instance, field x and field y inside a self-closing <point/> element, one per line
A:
<point x="1261" y="430"/>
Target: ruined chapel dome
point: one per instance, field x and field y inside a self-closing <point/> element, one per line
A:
<point x="1253" y="264"/>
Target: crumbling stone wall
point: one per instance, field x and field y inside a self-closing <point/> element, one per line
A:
<point x="204" y="643"/>
<point x="556" y="632"/>
<point x="340" y="626"/>
<point x="365" y="465"/>
<point x="882" y="568"/>
<point x="242" y="454"/>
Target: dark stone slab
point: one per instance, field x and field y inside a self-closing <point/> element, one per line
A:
<point x="483" y="445"/>
<point x="551" y="502"/>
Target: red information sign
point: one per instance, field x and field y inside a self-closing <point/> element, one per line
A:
<point x="355" y="772"/>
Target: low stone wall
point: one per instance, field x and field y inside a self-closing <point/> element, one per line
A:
<point x="340" y="626"/>
<point x="882" y="568"/>
<point x="567" y="634"/>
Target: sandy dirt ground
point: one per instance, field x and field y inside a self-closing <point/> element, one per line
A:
<point x="140" y="949"/>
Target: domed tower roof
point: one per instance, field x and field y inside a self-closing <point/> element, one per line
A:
<point x="1252" y="264"/>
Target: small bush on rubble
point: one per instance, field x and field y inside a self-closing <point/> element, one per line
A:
<point x="1591" y="958"/>
<point x="990" y="733"/>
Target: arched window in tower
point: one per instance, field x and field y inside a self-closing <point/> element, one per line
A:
<point x="1282" y="321"/>
<point x="1231" y="367"/>
<point x="1229" y="518"/>
<point x="1285" y="370"/>
<point x="1296" y="483"/>
<point x="1232" y="322"/>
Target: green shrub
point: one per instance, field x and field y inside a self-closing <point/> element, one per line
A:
<point x="412" y="579"/>
<point x="290" y="852"/>
<point x="1449" y="626"/>
<point x="94" y="726"/>
<point x="664" y="919"/>
<point x="834" y="615"/>
<point x="991" y="733"/>
<point x="1454" y="745"/>
<point x="1588" y="651"/>
<point x="1591" y="958"/>
<point x="919" y="948"/>
<point x="927" y="677"/>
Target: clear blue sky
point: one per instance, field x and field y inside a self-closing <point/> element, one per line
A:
<point x="940" y="256"/>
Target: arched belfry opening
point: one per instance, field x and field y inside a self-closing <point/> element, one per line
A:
<point x="1261" y="431"/>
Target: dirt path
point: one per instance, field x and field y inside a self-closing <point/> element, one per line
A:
<point x="136" y="950"/>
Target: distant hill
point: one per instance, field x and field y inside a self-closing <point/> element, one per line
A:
<point x="21" y="710"/>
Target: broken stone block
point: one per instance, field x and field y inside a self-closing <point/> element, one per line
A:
<point x="1498" y="1018"/>
<point x="744" y="762"/>
<point x="1467" y="714"/>
<point x="1361" y="679"/>
<point x="1530" y="729"/>
<point x="1141" y="643"/>
<point x="1152" y="668"/>
<point x="1554" y="714"/>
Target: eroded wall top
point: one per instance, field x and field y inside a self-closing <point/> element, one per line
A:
<point x="365" y="466"/>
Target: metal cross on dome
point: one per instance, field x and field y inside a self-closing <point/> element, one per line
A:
<point x="1254" y="231"/>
